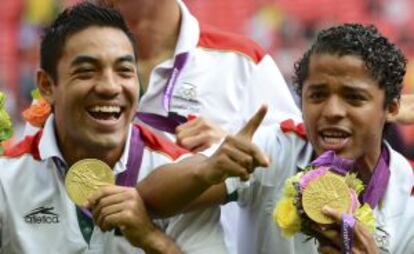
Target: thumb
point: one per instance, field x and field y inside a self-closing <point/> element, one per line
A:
<point x="332" y="213"/>
<point x="251" y="126"/>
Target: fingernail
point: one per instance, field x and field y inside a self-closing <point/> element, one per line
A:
<point x="326" y="209"/>
<point x="267" y="161"/>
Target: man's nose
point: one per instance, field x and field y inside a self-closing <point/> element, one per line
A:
<point x="334" y="108"/>
<point x="108" y="84"/>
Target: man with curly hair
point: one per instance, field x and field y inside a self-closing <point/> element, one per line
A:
<point x="350" y="83"/>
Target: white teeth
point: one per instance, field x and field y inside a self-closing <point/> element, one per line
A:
<point x="106" y="109"/>
<point x="334" y="134"/>
<point x="333" y="141"/>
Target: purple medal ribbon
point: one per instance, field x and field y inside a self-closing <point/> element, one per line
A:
<point x="162" y="123"/>
<point x="347" y="226"/>
<point x="179" y="63"/>
<point x="378" y="183"/>
<point x="330" y="159"/>
<point x="170" y="122"/>
<point x="136" y="149"/>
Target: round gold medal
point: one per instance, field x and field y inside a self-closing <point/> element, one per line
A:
<point x="85" y="177"/>
<point x="329" y="189"/>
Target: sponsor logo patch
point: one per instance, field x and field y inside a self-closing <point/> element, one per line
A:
<point x="42" y="215"/>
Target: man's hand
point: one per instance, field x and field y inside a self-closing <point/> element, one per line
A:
<point x="122" y="207"/>
<point x="237" y="156"/>
<point x="198" y="134"/>
<point x="196" y="182"/>
<point x="363" y="242"/>
<point x="406" y="112"/>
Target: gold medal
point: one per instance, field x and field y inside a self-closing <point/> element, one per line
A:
<point x="85" y="177"/>
<point x="329" y="189"/>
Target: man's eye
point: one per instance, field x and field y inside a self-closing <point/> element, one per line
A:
<point x="317" y="95"/>
<point x="126" y="71"/>
<point x="83" y="70"/>
<point x="355" y="98"/>
<point x="84" y="73"/>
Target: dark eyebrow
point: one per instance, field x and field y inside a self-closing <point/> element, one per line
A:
<point x="316" y="86"/>
<point x="84" y="59"/>
<point x="92" y="60"/>
<point x="127" y="58"/>
<point x="357" y="90"/>
<point x="354" y="89"/>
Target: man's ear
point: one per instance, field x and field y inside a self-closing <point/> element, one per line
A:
<point x="392" y="110"/>
<point x="45" y="84"/>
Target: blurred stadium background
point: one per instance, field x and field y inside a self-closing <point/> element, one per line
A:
<point x="283" y="27"/>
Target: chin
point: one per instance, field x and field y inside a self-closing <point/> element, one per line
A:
<point x="350" y="153"/>
<point x="106" y="142"/>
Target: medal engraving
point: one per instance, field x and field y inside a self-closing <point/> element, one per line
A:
<point x="85" y="177"/>
<point x="330" y="190"/>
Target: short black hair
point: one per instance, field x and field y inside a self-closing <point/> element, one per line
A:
<point x="384" y="60"/>
<point x="73" y="20"/>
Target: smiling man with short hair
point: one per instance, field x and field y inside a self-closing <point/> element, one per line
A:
<point x="89" y="77"/>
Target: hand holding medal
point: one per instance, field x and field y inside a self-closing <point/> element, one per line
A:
<point x="85" y="177"/>
<point x="324" y="195"/>
<point x="90" y="183"/>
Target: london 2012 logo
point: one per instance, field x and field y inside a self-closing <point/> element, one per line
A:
<point x="42" y="215"/>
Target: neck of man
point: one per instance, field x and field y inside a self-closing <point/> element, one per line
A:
<point x="366" y="165"/>
<point x="156" y="30"/>
<point x="75" y="151"/>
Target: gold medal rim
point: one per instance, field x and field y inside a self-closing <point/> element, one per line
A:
<point x="316" y="214"/>
<point x="76" y="166"/>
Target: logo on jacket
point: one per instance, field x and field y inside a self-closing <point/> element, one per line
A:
<point x="42" y="215"/>
<point x="185" y="97"/>
<point x="187" y="91"/>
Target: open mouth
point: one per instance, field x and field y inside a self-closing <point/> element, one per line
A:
<point x="105" y="112"/>
<point x="334" y="138"/>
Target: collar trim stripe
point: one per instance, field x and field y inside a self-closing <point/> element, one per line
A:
<point x="213" y="38"/>
<point x="160" y="144"/>
<point x="29" y="145"/>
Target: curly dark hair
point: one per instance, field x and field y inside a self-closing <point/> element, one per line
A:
<point x="385" y="62"/>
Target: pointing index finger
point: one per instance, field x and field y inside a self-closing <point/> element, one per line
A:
<point x="251" y="126"/>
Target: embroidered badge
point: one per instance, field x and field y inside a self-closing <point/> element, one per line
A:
<point x="185" y="97"/>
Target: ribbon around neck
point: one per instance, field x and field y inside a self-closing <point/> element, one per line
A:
<point x="330" y="159"/>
